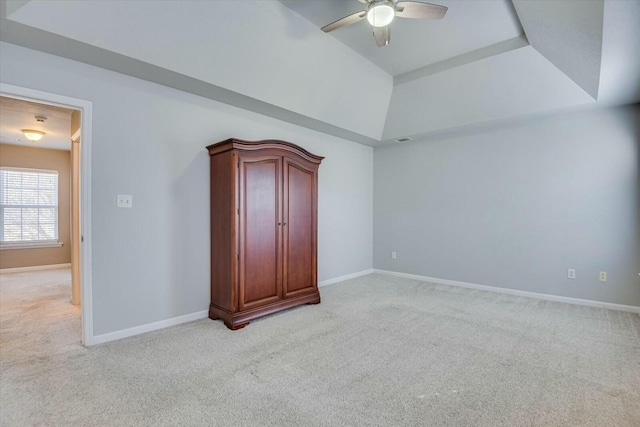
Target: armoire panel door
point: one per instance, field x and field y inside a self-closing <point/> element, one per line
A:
<point x="299" y="228"/>
<point x="260" y="244"/>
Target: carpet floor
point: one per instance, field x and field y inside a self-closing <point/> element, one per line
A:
<point x="378" y="351"/>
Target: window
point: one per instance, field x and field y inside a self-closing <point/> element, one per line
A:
<point x="28" y="207"/>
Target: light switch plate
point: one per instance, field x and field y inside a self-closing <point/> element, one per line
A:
<point x="124" y="201"/>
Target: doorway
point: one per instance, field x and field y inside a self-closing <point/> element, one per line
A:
<point x="79" y="230"/>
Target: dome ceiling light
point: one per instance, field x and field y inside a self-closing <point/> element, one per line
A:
<point x="34" y="134"/>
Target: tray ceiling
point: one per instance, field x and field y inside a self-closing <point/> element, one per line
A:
<point x="485" y="62"/>
<point x="415" y="43"/>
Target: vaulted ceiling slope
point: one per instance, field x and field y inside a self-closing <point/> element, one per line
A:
<point x="485" y="62"/>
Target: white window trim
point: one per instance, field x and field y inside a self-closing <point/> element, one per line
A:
<point x="33" y="244"/>
<point x="30" y="245"/>
<point x="29" y="170"/>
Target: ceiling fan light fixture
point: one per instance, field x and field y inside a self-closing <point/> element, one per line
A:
<point x="33" y="135"/>
<point x="380" y="14"/>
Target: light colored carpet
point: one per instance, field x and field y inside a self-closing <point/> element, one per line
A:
<point x="378" y="351"/>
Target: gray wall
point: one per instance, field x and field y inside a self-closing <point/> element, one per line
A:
<point x="515" y="207"/>
<point x="151" y="262"/>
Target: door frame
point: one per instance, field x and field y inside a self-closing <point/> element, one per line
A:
<point x="76" y="229"/>
<point x="85" y="107"/>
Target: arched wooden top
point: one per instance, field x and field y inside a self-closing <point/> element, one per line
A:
<point x="239" y="144"/>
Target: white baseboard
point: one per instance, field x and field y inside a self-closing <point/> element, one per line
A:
<point x="124" y="333"/>
<point x="345" y="277"/>
<point x="34" y="268"/>
<point x="546" y="297"/>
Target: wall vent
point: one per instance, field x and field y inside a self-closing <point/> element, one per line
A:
<point x="405" y="139"/>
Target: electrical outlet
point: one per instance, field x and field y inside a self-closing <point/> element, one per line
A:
<point x="603" y="276"/>
<point x="571" y="274"/>
<point x="124" y="201"/>
<point x="393" y="254"/>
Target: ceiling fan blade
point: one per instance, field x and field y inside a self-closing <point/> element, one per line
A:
<point x="347" y="20"/>
<point x="418" y="10"/>
<point x="382" y="35"/>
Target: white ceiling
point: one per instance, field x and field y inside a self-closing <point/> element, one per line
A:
<point x="487" y="90"/>
<point x="569" y="34"/>
<point x="17" y="114"/>
<point x="474" y="67"/>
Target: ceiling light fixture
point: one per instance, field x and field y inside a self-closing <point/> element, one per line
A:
<point x="380" y="14"/>
<point x="33" y="135"/>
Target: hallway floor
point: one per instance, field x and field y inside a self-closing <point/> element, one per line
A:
<point x="36" y="315"/>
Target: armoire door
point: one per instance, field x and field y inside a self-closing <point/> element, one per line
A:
<point x="299" y="228"/>
<point x="260" y="245"/>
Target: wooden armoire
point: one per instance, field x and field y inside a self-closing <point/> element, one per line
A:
<point x="264" y="220"/>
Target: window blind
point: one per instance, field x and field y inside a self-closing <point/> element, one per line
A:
<point x="28" y="205"/>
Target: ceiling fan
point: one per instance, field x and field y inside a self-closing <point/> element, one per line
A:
<point x="380" y="13"/>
